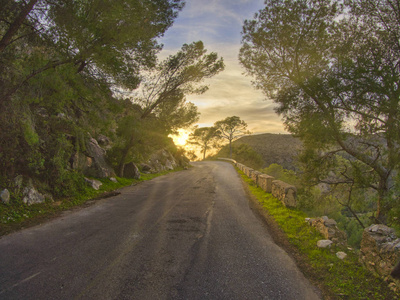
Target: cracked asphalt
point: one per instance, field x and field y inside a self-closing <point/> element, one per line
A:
<point x="186" y="235"/>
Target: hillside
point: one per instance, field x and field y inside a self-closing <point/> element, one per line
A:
<point x="273" y="148"/>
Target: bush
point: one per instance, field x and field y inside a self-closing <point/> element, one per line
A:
<point x="244" y="154"/>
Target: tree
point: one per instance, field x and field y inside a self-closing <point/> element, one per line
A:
<point x="334" y="76"/>
<point x="177" y="76"/>
<point x="61" y="63"/>
<point x="232" y="128"/>
<point x="206" y="138"/>
<point x="163" y="95"/>
<point x="108" y="39"/>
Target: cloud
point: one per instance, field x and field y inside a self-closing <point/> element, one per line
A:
<point x="218" y="23"/>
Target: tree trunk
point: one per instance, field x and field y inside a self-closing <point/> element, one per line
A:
<point x="382" y="207"/>
<point x="6" y="40"/>
<point x="230" y="149"/>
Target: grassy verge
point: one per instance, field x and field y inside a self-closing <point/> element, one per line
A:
<point x="339" y="279"/>
<point x="17" y="215"/>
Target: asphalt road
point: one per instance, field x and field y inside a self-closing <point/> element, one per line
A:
<point x="186" y="235"/>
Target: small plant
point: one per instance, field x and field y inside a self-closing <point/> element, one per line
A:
<point x="340" y="279"/>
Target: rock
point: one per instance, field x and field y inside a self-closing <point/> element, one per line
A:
<point x="18" y="181"/>
<point x="93" y="161"/>
<point x="113" y="180"/>
<point x="5" y="196"/>
<point x="162" y="160"/>
<point x="381" y="229"/>
<point x="93" y="183"/>
<point x="324" y="243"/>
<point x="254" y="176"/>
<point x="285" y="192"/>
<point x="32" y="196"/>
<point x="330" y="223"/>
<point x="168" y="165"/>
<point x="131" y="171"/>
<point x="265" y="182"/>
<point x="104" y="141"/>
<point x="99" y="167"/>
<point x="380" y="249"/>
<point x="145" y="168"/>
<point x="329" y="230"/>
<point x="341" y="255"/>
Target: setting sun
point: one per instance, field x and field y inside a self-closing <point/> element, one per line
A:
<point x="180" y="138"/>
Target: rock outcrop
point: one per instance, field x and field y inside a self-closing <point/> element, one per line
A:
<point x="162" y="160"/>
<point x="93" y="161"/>
<point x="380" y="249"/>
<point x="131" y="171"/>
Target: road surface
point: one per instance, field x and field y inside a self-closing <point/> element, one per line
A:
<point x="186" y="235"/>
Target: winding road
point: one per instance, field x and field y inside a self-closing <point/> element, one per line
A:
<point x="186" y="235"/>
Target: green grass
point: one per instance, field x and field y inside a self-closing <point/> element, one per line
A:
<point x="17" y="214"/>
<point x="340" y="279"/>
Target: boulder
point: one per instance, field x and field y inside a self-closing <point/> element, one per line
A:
<point x="93" y="183"/>
<point x="113" y="179"/>
<point x="131" y="171"/>
<point x="5" y="196"/>
<point x="100" y="167"/>
<point x="146" y="168"/>
<point x="380" y="249"/>
<point x="32" y="196"/>
<point x="93" y="161"/>
<point x="324" y="243"/>
<point x="285" y="192"/>
<point x="341" y="255"/>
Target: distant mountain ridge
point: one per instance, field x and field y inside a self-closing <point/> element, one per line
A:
<point x="281" y="149"/>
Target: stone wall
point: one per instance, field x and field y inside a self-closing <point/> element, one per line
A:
<point x="329" y="230"/>
<point x="285" y="192"/>
<point x="265" y="182"/>
<point x="380" y="249"/>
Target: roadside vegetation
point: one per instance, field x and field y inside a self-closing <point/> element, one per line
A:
<point x="18" y="215"/>
<point x="339" y="279"/>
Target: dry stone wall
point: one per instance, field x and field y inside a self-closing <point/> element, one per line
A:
<point x="285" y="192"/>
<point x="380" y="247"/>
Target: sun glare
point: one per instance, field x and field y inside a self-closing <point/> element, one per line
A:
<point x="180" y="138"/>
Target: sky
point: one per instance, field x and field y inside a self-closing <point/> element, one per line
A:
<point x="218" y="23"/>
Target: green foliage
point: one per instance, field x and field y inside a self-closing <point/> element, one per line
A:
<point x="278" y="172"/>
<point x="62" y="66"/>
<point x="180" y="74"/>
<point x="244" y="154"/>
<point x="339" y="277"/>
<point x="205" y="138"/>
<point x="232" y="128"/>
<point x="17" y="214"/>
<point x="329" y="66"/>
